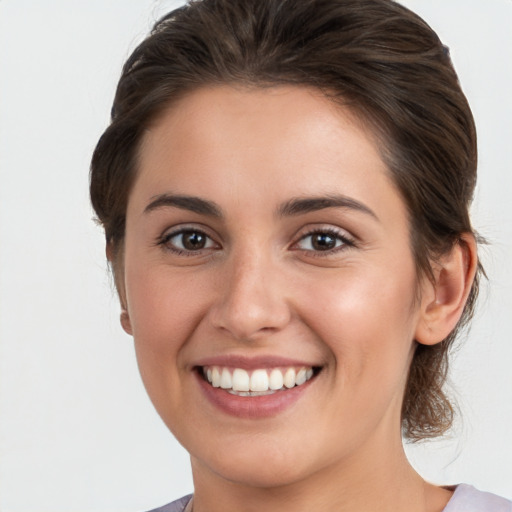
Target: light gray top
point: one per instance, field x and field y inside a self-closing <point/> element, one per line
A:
<point x="465" y="499"/>
<point x="468" y="499"/>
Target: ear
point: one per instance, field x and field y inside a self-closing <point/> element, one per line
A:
<point x="443" y="301"/>
<point x="116" y="262"/>
<point x="125" y="322"/>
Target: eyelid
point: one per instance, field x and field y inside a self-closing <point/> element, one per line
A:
<point x="346" y="238"/>
<point x="164" y="239"/>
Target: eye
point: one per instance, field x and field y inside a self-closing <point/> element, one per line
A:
<point x="323" y="241"/>
<point x="187" y="241"/>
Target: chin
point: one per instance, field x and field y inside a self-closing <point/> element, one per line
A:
<point x="260" y="474"/>
<point x="259" y="464"/>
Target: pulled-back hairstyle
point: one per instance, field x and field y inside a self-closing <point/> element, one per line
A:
<point x="374" y="56"/>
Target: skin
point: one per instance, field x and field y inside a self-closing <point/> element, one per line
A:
<point x="260" y="288"/>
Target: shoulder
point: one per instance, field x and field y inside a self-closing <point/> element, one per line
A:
<point x="468" y="499"/>
<point x="175" y="506"/>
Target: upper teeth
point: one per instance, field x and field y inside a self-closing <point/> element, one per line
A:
<point x="262" y="380"/>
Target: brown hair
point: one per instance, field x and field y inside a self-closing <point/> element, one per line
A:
<point x="375" y="56"/>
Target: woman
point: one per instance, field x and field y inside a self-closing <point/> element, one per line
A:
<point x="284" y="189"/>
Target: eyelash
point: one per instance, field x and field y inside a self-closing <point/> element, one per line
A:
<point x="165" y="239"/>
<point x="346" y="242"/>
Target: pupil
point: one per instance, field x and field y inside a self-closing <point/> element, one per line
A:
<point x="323" y="242"/>
<point x="193" y="241"/>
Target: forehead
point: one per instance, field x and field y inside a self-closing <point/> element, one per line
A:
<point x="225" y="141"/>
<point x="252" y="116"/>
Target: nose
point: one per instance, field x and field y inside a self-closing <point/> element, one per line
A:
<point x="252" y="299"/>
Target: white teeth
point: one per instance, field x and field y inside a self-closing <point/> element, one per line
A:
<point x="275" y="380"/>
<point x="240" y="380"/>
<point x="225" y="379"/>
<point x="215" y="377"/>
<point x="289" y="378"/>
<point x="260" y="382"/>
<point x="301" y="377"/>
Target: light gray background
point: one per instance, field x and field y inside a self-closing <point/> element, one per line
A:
<point x="77" y="431"/>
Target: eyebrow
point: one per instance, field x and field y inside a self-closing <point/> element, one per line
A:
<point x="190" y="203"/>
<point x="298" y="206"/>
<point x="295" y="206"/>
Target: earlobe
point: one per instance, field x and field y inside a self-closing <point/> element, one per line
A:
<point x="443" y="301"/>
<point x="118" y="270"/>
<point x="125" y="322"/>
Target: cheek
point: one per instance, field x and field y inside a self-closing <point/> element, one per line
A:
<point x="368" y="325"/>
<point x="367" y="318"/>
<point x="165" y="307"/>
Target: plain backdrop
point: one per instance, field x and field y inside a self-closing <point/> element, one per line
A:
<point x="77" y="431"/>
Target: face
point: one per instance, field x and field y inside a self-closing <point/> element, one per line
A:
<point x="269" y="284"/>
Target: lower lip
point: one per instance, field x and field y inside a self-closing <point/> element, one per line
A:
<point x="253" y="407"/>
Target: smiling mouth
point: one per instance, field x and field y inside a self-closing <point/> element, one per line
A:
<point x="240" y="382"/>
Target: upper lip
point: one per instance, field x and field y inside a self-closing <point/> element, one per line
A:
<point x="252" y="363"/>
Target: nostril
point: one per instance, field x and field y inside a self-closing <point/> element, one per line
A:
<point x="246" y="321"/>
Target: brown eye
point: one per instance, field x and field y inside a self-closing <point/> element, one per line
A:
<point x="188" y="241"/>
<point x="193" y="240"/>
<point x="327" y="241"/>
<point x="321" y="241"/>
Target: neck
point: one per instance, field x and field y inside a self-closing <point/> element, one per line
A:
<point x="374" y="479"/>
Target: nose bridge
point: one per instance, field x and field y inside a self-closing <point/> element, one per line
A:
<point x="253" y="295"/>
